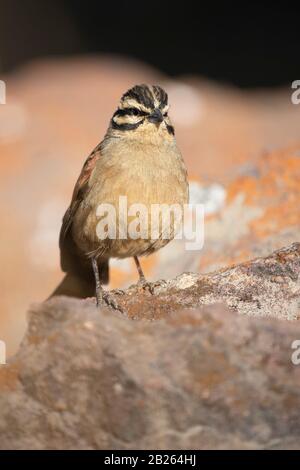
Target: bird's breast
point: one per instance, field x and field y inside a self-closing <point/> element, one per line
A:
<point x="123" y="178"/>
<point x="143" y="174"/>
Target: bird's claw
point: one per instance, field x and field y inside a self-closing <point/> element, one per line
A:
<point x="109" y="301"/>
<point x="144" y="284"/>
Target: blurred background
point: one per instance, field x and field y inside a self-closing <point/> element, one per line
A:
<point x="228" y="71"/>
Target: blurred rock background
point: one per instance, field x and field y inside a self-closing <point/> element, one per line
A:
<point x="239" y="136"/>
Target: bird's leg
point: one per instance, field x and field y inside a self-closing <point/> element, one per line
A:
<point x="99" y="289"/>
<point x="142" y="281"/>
<point x="101" y="294"/>
<point x="140" y="271"/>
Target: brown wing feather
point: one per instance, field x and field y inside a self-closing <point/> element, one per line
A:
<point x="66" y="244"/>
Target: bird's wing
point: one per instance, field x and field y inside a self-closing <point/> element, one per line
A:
<point x="81" y="187"/>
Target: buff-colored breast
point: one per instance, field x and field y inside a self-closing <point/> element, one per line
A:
<point x="146" y="173"/>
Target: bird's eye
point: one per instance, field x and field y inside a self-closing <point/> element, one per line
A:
<point x="134" y="111"/>
<point x="165" y="114"/>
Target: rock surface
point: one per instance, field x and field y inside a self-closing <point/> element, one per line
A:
<point x="267" y="287"/>
<point x="198" y="376"/>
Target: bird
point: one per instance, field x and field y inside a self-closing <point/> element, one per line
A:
<point x="138" y="159"/>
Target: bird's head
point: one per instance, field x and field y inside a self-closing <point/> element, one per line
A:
<point x="143" y="110"/>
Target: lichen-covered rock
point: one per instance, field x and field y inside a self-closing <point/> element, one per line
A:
<point x="197" y="377"/>
<point x="260" y="213"/>
<point x="267" y="287"/>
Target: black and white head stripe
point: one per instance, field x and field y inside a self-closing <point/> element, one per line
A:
<point x="147" y="96"/>
<point x="137" y="104"/>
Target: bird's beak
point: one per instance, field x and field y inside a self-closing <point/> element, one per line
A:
<point x="156" y="117"/>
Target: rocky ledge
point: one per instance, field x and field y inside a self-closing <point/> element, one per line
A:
<point x="181" y="369"/>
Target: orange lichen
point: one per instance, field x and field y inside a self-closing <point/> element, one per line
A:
<point x="276" y="190"/>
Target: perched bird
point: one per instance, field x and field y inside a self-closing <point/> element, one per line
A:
<point x="138" y="158"/>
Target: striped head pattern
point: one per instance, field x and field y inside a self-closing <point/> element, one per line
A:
<point x="142" y="105"/>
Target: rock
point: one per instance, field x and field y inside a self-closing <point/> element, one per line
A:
<point x="197" y="376"/>
<point x="259" y="216"/>
<point x="267" y="287"/>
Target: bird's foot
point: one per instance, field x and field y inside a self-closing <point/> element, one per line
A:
<point x="111" y="301"/>
<point x="151" y="286"/>
<point x="146" y="285"/>
<point x="108" y="300"/>
<point x="119" y="291"/>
